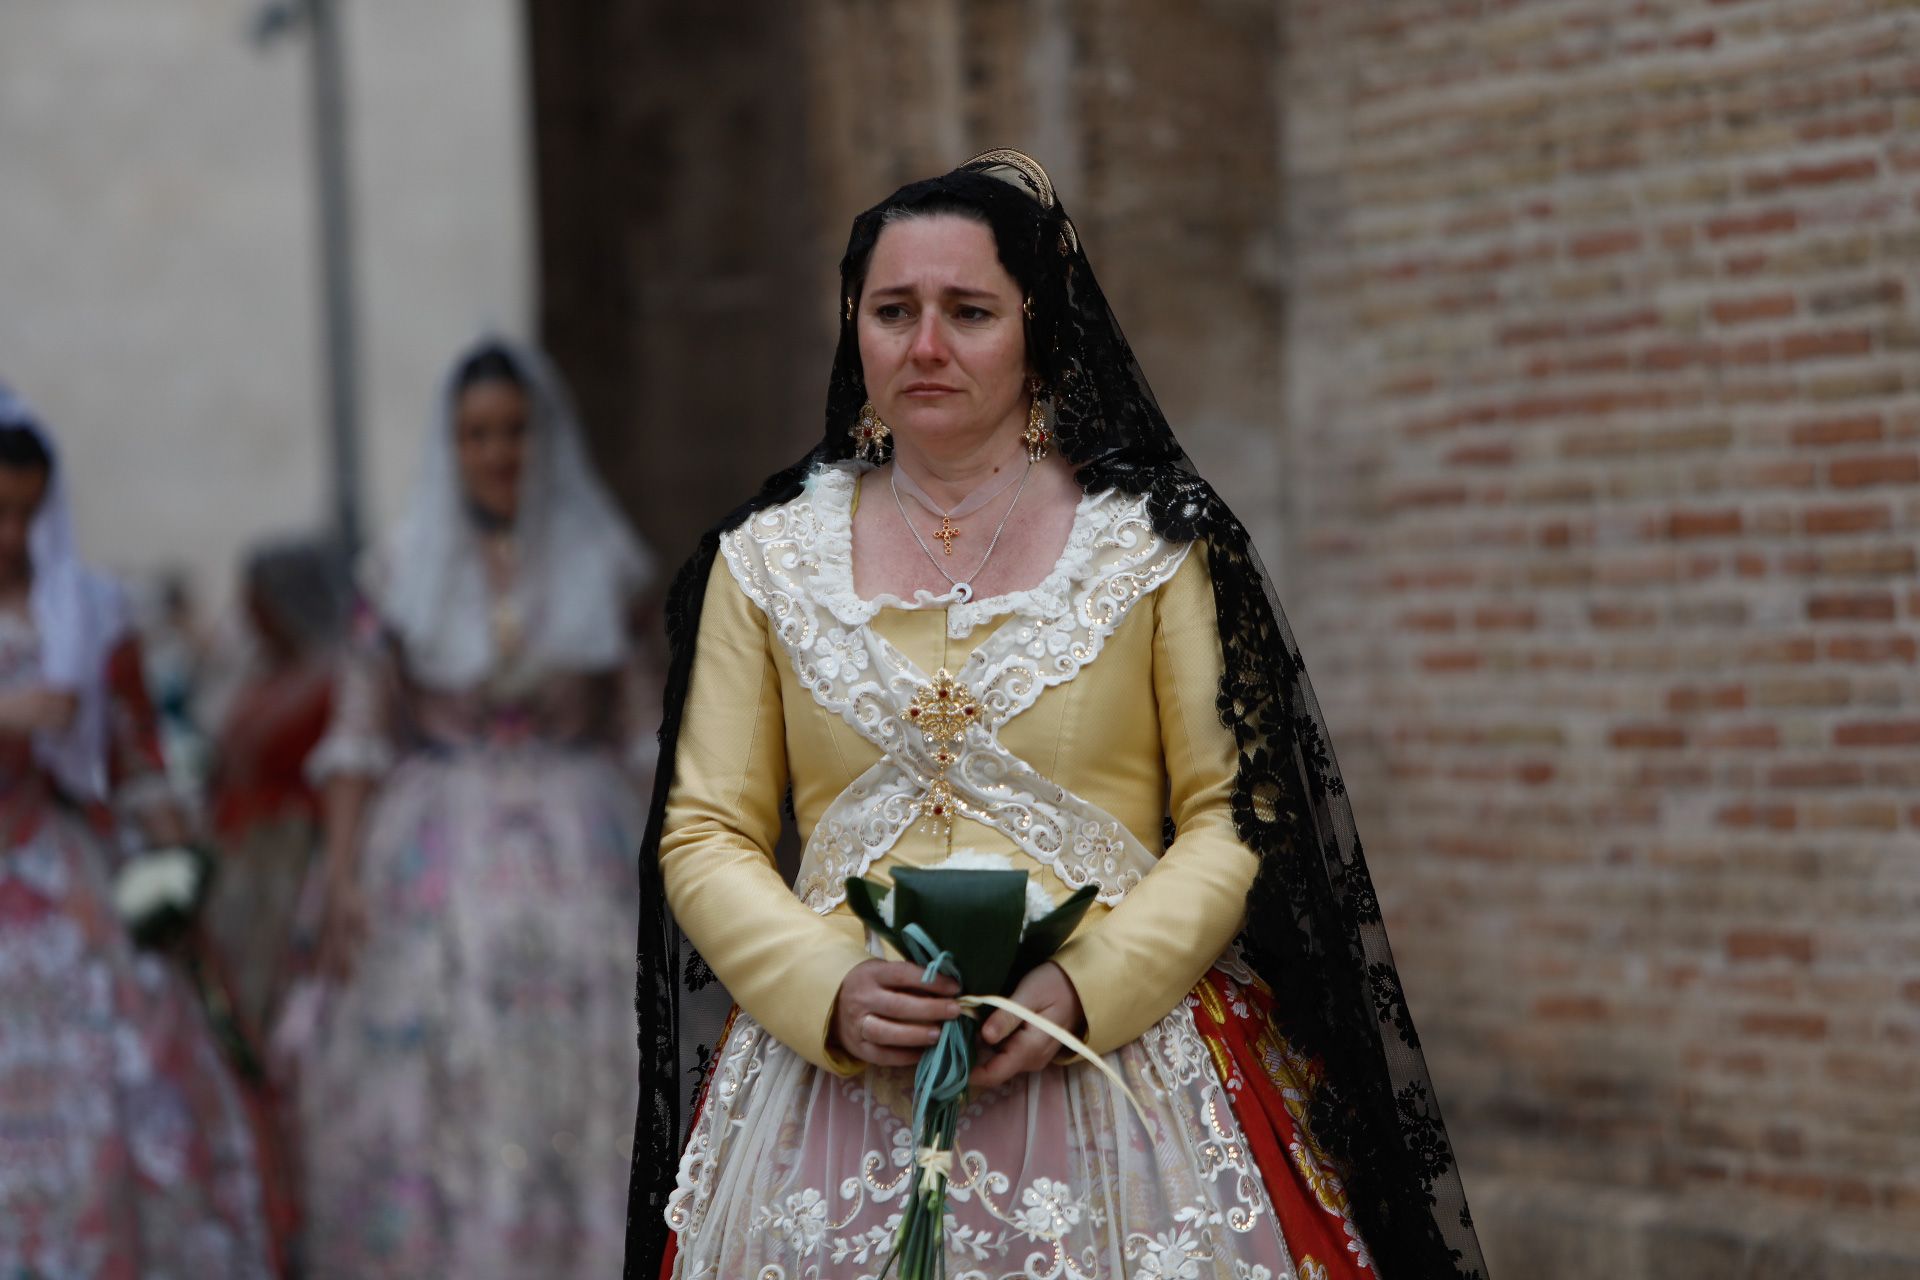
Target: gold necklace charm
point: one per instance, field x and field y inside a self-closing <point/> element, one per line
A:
<point x="962" y="591"/>
<point x="942" y="711"/>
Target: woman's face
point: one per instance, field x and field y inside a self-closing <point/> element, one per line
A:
<point x="942" y="338"/>
<point x="22" y="490"/>
<point x="490" y="445"/>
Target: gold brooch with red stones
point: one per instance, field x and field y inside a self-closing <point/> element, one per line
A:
<point x="942" y="711"/>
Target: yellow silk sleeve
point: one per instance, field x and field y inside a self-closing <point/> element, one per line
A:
<point x="779" y="960"/>
<point x="1132" y="967"/>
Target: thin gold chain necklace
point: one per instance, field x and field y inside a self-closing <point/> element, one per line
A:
<point x="973" y="502"/>
<point x="963" y="589"/>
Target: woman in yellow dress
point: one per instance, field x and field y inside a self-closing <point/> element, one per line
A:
<point x="1000" y="514"/>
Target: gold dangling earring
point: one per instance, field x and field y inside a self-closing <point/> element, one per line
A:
<point x="1036" y="434"/>
<point x="872" y="438"/>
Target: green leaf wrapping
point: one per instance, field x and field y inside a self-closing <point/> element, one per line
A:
<point x="1049" y="933"/>
<point x="975" y="915"/>
<point x="1041" y="939"/>
<point x="864" y="897"/>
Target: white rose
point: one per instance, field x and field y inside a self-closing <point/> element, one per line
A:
<point x="155" y="882"/>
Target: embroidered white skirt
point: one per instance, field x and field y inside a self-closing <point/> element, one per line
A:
<point x="794" y="1173"/>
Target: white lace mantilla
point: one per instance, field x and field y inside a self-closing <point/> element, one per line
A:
<point x="795" y="562"/>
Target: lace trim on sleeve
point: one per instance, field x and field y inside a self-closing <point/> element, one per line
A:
<point x="349" y="755"/>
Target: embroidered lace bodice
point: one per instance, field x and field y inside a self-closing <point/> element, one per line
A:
<point x="794" y="562"/>
<point x="1092" y="724"/>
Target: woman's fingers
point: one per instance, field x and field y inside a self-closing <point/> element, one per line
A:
<point x="902" y="1006"/>
<point x="897" y="975"/>
<point x="342" y="930"/>
<point x="1026" y="1050"/>
<point x="999" y="1026"/>
<point x="877" y="1030"/>
<point x="886" y="1016"/>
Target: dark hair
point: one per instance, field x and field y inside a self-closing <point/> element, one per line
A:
<point x="489" y="362"/>
<point x="303" y="584"/>
<point x="945" y="203"/>
<point x="22" y="449"/>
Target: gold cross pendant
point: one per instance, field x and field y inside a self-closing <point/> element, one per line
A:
<point x="946" y="533"/>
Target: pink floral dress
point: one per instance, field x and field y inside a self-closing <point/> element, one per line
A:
<point x="468" y="1101"/>
<point x="125" y="1153"/>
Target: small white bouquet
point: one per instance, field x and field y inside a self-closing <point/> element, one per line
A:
<point x="158" y="894"/>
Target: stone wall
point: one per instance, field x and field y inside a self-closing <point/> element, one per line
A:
<point x="676" y="290"/>
<point x="1604" y="419"/>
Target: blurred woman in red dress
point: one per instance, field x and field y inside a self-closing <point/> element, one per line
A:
<point x="265" y="812"/>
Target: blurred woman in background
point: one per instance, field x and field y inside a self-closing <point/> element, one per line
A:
<point x="265" y="818"/>
<point x="124" y="1150"/>
<point x="265" y="813"/>
<point x="492" y="732"/>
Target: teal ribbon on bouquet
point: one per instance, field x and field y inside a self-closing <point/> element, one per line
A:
<point x="944" y="1068"/>
<point x="970" y="925"/>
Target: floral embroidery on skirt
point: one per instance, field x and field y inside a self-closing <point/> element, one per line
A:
<point x="465" y="1104"/>
<point x="124" y="1148"/>
<point x="793" y="1173"/>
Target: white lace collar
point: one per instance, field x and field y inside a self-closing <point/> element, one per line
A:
<point x="793" y="561"/>
<point x="830" y="492"/>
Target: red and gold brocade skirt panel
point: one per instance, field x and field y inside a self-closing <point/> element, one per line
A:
<point x="1269" y="1084"/>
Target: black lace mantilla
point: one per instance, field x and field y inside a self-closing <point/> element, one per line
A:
<point x="1314" y="931"/>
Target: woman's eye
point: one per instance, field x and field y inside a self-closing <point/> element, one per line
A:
<point x="890" y="311"/>
<point x="971" y="313"/>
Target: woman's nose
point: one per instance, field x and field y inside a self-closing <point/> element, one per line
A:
<point x="929" y="344"/>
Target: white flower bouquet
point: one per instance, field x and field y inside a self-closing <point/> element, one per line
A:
<point x="158" y="894"/>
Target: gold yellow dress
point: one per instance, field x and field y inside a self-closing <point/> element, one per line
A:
<point x="1099" y="731"/>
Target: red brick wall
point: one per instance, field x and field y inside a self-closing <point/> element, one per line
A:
<point x="1604" y="450"/>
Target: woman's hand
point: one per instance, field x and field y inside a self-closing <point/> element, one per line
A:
<point x="343" y="917"/>
<point x="343" y="926"/>
<point x="1018" y="1047"/>
<point x="30" y="709"/>
<point x="885" y="1015"/>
